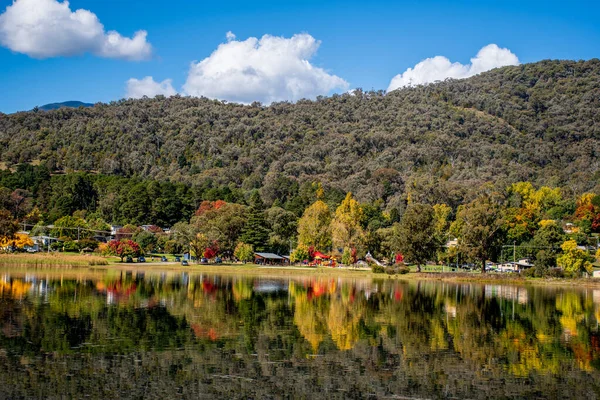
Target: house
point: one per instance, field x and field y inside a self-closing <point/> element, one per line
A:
<point x="41" y="243"/>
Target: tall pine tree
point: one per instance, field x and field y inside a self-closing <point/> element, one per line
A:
<point x="256" y="231"/>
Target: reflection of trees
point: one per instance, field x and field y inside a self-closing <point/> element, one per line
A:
<point x="391" y="333"/>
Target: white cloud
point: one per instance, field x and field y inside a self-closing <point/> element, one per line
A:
<point x="439" y="68"/>
<point x="267" y="69"/>
<point x="138" y="88"/>
<point x="48" y="28"/>
<point x="230" y="36"/>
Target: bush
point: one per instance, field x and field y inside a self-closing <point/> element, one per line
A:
<point x="391" y="270"/>
<point x="377" y="269"/>
<point x="529" y="273"/>
<point x="555" y="273"/>
<point x="403" y="270"/>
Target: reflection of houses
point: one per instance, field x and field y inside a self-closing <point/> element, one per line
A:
<point x="452" y="243"/>
<point x="507" y="292"/>
<point x="269" y="259"/>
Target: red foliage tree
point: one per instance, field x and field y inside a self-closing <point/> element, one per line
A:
<point x="124" y="248"/>
<point x="208" y="205"/>
<point x="212" y="250"/>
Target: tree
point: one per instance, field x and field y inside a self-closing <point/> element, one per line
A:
<point x="346" y="227"/>
<point x="222" y="222"/>
<point x="8" y="226"/>
<point x="71" y="227"/>
<point x="124" y="248"/>
<point x="147" y="241"/>
<point x="300" y="253"/>
<point x="18" y="241"/>
<point x="255" y="231"/>
<point x="244" y="252"/>
<point x="314" y="228"/>
<point x="416" y="234"/>
<point x="190" y="236"/>
<point x="574" y="260"/>
<point x="479" y="228"/>
<point x="547" y="241"/>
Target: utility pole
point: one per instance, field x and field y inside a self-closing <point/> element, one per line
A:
<point x="515" y="251"/>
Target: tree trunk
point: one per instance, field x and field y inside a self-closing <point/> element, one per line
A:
<point x="418" y="267"/>
<point x="483" y="267"/>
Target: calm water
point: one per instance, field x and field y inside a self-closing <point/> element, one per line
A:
<point x="134" y="335"/>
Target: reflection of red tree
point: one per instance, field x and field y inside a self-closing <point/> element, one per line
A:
<point x="208" y="287"/>
<point x="201" y="332"/>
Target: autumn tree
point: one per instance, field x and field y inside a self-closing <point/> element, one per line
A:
<point x="416" y="234"/>
<point x="8" y="225"/>
<point x="479" y="228"/>
<point x="574" y="260"/>
<point x="346" y="226"/>
<point x="124" y="248"/>
<point x="314" y="227"/>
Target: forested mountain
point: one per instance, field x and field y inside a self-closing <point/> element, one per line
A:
<point x="535" y="122"/>
<point x="67" y="104"/>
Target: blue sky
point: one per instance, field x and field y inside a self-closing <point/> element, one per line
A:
<point x="362" y="44"/>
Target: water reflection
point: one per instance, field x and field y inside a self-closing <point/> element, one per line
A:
<point x="197" y="335"/>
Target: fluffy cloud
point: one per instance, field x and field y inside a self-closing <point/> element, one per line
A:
<point x="138" y="88"/>
<point x="48" y="28"/>
<point x="439" y="68"/>
<point x="267" y="69"/>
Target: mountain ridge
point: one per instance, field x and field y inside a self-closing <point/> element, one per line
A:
<point x="538" y="122"/>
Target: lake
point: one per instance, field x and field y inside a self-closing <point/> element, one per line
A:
<point x="116" y="334"/>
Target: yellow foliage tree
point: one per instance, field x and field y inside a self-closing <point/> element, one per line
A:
<point x="574" y="259"/>
<point x="314" y="226"/>
<point x="19" y="241"/>
<point x="346" y="229"/>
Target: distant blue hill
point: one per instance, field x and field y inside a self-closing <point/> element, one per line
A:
<point x="68" y="104"/>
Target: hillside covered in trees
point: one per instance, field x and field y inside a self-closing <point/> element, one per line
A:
<point x="536" y="122"/>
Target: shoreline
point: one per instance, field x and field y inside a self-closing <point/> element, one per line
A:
<point x="298" y="271"/>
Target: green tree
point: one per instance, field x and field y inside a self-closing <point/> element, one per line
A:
<point x="147" y="241"/>
<point x="416" y="234"/>
<point x="479" y="228"/>
<point x="190" y="236"/>
<point x="256" y="231"/>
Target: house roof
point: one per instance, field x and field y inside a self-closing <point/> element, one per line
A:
<point x="270" y="256"/>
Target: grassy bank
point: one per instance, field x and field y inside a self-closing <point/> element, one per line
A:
<point x="51" y="260"/>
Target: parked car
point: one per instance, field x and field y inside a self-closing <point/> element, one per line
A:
<point x="218" y="260"/>
<point x="163" y="259"/>
<point x="141" y="259"/>
<point x="184" y="263"/>
<point x="203" y="260"/>
<point x="129" y="259"/>
<point x="177" y="259"/>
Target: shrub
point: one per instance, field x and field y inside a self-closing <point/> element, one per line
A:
<point x="377" y="269"/>
<point x="391" y="270"/>
<point x="555" y="273"/>
<point x="403" y="270"/>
